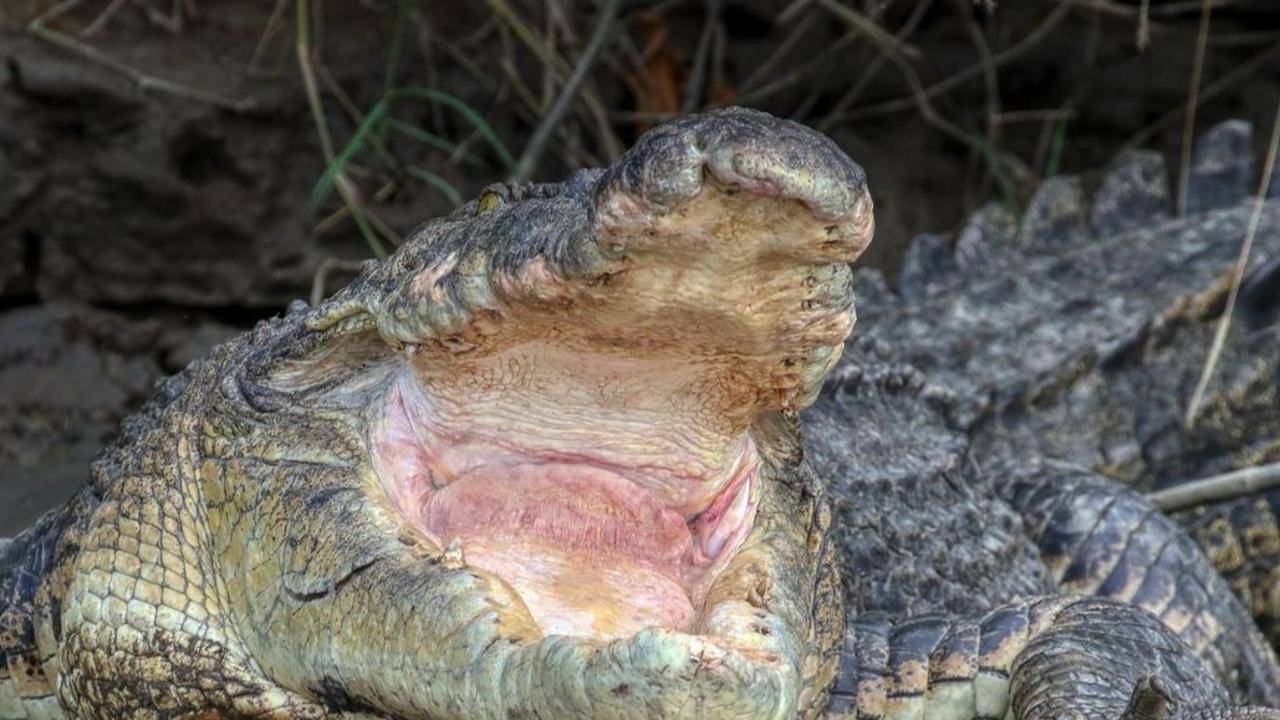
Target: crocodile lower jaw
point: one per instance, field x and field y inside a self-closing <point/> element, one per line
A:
<point x="595" y="546"/>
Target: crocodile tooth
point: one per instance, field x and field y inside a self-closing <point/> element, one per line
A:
<point x="452" y="557"/>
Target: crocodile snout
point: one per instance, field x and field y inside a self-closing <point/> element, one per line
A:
<point x="740" y="150"/>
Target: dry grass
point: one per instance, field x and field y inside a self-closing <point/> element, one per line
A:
<point x="555" y="67"/>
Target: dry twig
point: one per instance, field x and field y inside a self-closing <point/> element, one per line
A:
<point x="1189" y="125"/>
<point x="141" y="80"/>
<point x="693" y="89"/>
<point x="1142" y="35"/>
<point x="274" y="23"/>
<point x="1237" y="75"/>
<point x="1218" y="488"/>
<point x="103" y="18"/>
<point x="321" y="277"/>
<point x="1029" y="41"/>
<point x="1237" y="275"/>
<point x="538" y="141"/>
<point x="595" y="108"/>
<point x="346" y="190"/>
<point x="779" y="53"/>
<point x="855" y="91"/>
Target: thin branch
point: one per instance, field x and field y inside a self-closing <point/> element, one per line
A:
<point x="1020" y="116"/>
<point x="343" y="212"/>
<point x="790" y="11"/>
<point x="1242" y="263"/>
<point x="1142" y="35"/>
<point x="1237" y="75"/>
<point x="143" y="81"/>
<point x="551" y="121"/>
<point x="990" y="80"/>
<point x="795" y="73"/>
<point x="1170" y="9"/>
<point x="1189" y="125"/>
<point x="1219" y="488"/>
<point x="302" y="47"/>
<point x="321" y="277"/>
<point x="869" y="73"/>
<point x="779" y="53"/>
<point x="693" y="90"/>
<point x="920" y="97"/>
<point x="1226" y="39"/>
<point x="103" y="18"/>
<point x="274" y="23"/>
<point x="595" y="108"/>
<point x="1031" y="40"/>
<point x="878" y="36"/>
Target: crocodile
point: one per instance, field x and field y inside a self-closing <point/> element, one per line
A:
<point x="1076" y="332"/>
<point x="547" y="461"/>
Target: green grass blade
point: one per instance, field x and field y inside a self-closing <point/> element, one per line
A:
<point x="325" y="185"/>
<point x="422" y="136"/>
<point x="397" y="45"/>
<point x="444" y="186"/>
<point x="466" y="111"/>
<point x="1055" y="148"/>
<point x="370" y="237"/>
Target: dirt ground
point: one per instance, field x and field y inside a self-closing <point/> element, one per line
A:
<point x="157" y="172"/>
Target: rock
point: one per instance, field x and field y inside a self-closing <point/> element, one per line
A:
<point x="68" y="375"/>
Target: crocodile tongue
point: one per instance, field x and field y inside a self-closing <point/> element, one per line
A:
<point x="590" y="554"/>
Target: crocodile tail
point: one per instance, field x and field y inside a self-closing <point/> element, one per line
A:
<point x="1241" y="537"/>
<point x="935" y="666"/>
<point x="1033" y="659"/>
<point x="28" y="612"/>
<point x="1098" y="537"/>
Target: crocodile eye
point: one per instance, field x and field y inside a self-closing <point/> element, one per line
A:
<point x="489" y="200"/>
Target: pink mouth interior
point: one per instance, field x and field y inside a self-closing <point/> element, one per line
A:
<point x="594" y="547"/>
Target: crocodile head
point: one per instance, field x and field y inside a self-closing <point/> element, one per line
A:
<point x="565" y="419"/>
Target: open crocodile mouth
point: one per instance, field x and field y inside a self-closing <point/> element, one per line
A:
<point x="594" y="548"/>
<point x="586" y="428"/>
<point x="589" y="442"/>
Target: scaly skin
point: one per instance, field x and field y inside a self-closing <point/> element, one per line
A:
<point x="1241" y="538"/>
<point x="242" y="550"/>
<point x="1080" y="333"/>
<point x="236" y="554"/>
<point x="1075" y="335"/>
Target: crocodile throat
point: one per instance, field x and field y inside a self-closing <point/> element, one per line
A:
<point x="596" y="543"/>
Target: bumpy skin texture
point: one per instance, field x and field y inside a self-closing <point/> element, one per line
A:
<point x="1241" y="537"/>
<point x="233" y="557"/>
<point x="1078" y="335"/>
